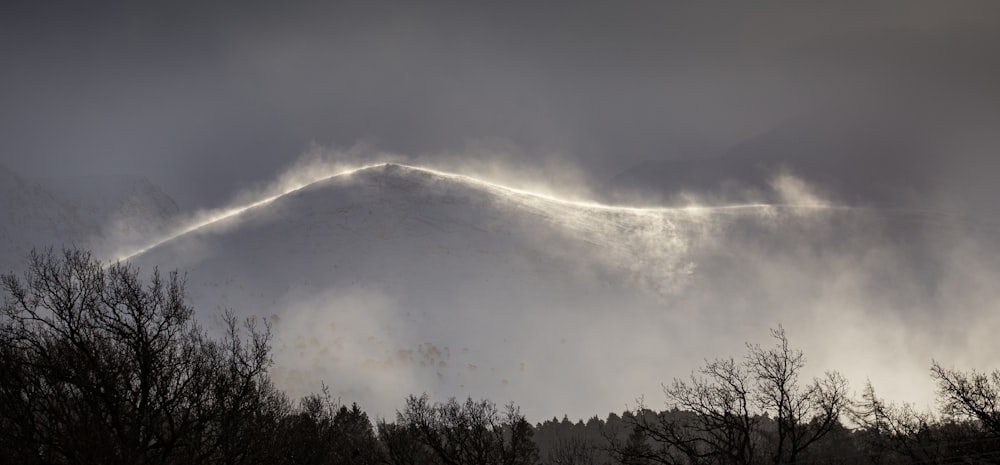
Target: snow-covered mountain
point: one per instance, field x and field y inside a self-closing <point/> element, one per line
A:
<point x="393" y="280"/>
<point x="100" y="213"/>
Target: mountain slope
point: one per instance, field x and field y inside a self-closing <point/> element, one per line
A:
<point x="394" y="280"/>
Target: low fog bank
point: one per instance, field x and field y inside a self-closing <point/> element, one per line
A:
<point x="395" y="280"/>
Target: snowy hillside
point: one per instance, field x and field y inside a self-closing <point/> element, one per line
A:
<point x="395" y="280"/>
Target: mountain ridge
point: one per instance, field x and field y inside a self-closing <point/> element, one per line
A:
<point x="394" y="279"/>
<point x="376" y="278"/>
<point x="399" y="172"/>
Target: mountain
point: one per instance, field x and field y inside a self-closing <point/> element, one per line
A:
<point x="395" y="280"/>
<point x="392" y="280"/>
<point x="101" y="213"/>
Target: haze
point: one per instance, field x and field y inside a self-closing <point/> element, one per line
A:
<point x="829" y="167"/>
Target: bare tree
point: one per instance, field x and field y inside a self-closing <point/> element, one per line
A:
<point x="732" y="411"/>
<point x="102" y="367"/>
<point x="972" y="395"/>
<point x="322" y="432"/>
<point x="403" y="444"/>
<point x="469" y="433"/>
<point x="242" y="405"/>
<point x="802" y="414"/>
<point x="892" y="433"/>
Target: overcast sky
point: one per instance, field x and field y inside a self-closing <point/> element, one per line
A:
<point x="204" y="97"/>
<point x="211" y="98"/>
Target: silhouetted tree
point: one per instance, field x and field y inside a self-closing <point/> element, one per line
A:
<point x="972" y="396"/>
<point x="563" y="442"/>
<point x="320" y="432"/>
<point x="101" y="367"/>
<point x="243" y="405"/>
<point x="467" y="433"/>
<point x="403" y="444"/>
<point x="573" y="450"/>
<point x="899" y="433"/>
<point x="739" y="412"/>
<point x="354" y="438"/>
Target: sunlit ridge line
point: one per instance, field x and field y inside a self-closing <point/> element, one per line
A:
<point x="600" y="206"/>
<point x="229" y="213"/>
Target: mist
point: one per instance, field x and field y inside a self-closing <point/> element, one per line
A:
<point x="563" y="205"/>
<point x="394" y="278"/>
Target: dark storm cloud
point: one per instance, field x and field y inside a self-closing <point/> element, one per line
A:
<point x="206" y="97"/>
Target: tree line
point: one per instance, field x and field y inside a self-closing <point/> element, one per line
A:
<point x="101" y="366"/>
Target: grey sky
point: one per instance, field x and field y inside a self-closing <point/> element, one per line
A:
<point x="206" y="97"/>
